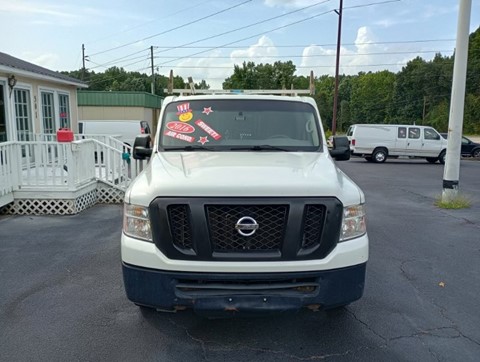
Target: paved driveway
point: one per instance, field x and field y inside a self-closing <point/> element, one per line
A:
<point x="62" y="298"/>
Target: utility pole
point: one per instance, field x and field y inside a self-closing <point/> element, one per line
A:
<point x="424" y="108"/>
<point x="83" y="61"/>
<point x="451" y="171"/>
<point x="337" y="65"/>
<point x="153" y="71"/>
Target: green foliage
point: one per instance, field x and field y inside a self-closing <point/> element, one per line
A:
<point x="118" y="79"/>
<point x="262" y="76"/>
<point x="438" y="116"/>
<point x="371" y="94"/>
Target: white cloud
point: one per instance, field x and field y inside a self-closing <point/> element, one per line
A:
<point x="264" y="51"/>
<point x="215" y="69"/>
<point x="365" y="56"/>
<point x="23" y="8"/>
<point x="46" y="60"/>
<point x="210" y="68"/>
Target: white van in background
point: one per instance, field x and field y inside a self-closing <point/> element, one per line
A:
<point x="127" y="129"/>
<point x="377" y="142"/>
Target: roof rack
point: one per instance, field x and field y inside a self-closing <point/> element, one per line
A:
<point x="192" y="90"/>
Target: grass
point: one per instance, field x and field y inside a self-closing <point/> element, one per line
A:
<point x="458" y="202"/>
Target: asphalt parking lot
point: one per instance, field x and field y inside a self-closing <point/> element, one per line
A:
<point x="62" y="297"/>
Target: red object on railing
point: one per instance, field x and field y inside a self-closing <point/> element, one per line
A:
<point x="64" y="135"/>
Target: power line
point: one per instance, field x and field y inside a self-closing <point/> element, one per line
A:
<point x="142" y="57"/>
<point x="126" y="58"/>
<point x="315" y="55"/>
<point x="246" y="26"/>
<point x="151" y="21"/>
<point x="278" y="28"/>
<point x="310" y="45"/>
<point x="174" y="28"/>
<point x="227" y="32"/>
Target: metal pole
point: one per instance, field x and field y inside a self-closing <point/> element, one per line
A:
<point x="153" y="71"/>
<point x="337" y="64"/>
<point x="451" y="171"/>
<point x="83" y="61"/>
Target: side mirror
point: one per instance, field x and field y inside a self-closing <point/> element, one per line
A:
<point x="341" y="148"/>
<point x="142" y="147"/>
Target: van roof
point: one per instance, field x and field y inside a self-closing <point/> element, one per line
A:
<point x="239" y="96"/>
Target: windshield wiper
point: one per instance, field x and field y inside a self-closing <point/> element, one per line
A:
<point x="190" y="148"/>
<point x="259" y="148"/>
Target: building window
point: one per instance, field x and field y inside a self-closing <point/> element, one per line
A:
<point x="22" y="115"/>
<point x="48" y="112"/>
<point x="64" y="110"/>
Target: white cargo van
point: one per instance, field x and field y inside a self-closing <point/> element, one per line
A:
<point x="377" y="142"/>
<point x="126" y="129"/>
<point x="242" y="210"/>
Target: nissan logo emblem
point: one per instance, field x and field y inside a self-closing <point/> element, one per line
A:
<point x="246" y="226"/>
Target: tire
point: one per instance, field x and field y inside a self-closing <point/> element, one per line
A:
<point x="476" y="153"/>
<point x="432" y="159"/>
<point x="380" y="155"/>
<point x="369" y="158"/>
<point x="441" y="157"/>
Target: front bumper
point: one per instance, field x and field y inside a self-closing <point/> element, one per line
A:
<point x="242" y="294"/>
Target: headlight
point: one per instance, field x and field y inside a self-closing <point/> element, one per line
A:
<point x="136" y="222"/>
<point x="353" y="222"/>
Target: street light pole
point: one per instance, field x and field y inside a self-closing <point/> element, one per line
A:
<point x="337" y="64"/>
<point x="451" y="171"/>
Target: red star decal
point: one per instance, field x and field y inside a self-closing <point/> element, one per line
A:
<point x="203" y="140"/>
<point x="207" y="110"/>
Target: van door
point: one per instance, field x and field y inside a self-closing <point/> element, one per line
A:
<point x="414" y="142"/>
<point x="400" y="142"/>
<point x="432" y="143"/>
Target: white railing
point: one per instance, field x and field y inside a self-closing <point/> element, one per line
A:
<point x="54" y="166"/>
<point x="111" y="140"/>
<point x="8" y="181"/>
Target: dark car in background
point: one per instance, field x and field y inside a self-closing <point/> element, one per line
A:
<point x="469" y="148"/>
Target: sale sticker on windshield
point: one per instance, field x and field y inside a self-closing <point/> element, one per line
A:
<point x="215" y="135"/>
<point x="179" y="136"/>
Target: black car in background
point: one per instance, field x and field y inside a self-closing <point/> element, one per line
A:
<point x="469" y="148"/>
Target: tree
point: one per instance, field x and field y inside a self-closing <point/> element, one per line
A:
<point x="324" y="89"/>
<point x="262" y="76"/>
<point x="371" y="95"/>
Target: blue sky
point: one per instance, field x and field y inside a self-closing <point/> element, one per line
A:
<point x="376" y="34"/>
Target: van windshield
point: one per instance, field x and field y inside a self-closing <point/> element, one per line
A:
<point x="240" y="124"/>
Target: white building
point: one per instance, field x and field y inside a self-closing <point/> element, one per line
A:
<point x="34" y="100"/>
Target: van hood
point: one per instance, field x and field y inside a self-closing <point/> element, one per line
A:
<point x="242" y="174"/>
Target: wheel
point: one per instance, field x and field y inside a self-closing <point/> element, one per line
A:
<point x="441" y="157"/>
<point x="432" y="159"/>
<point x="369" y="158"/>
<point x="379" y="155"/>
<point x="476" y="152"/>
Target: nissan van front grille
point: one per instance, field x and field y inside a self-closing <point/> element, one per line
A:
<point x="180" y="225"/>
<point x="222" y="220"/>
<point x="314" y="218"/>
<point x="246" y="229"/>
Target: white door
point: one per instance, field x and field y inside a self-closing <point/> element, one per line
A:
<point x="432" y="143"/>
<point x="414" y="141"/>
<point x="400" y="142"/>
